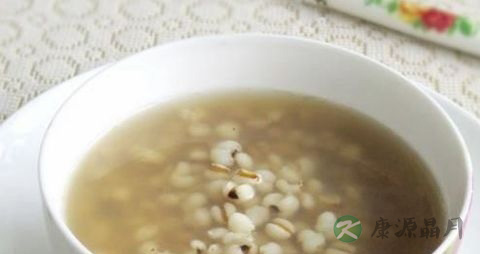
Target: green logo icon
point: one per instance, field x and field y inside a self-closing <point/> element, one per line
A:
<point x="347" y="229"/>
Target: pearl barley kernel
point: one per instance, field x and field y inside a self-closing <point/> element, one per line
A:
<point x="311" y="241"/>
<point x="237" y="238"/>
<point x="267" y="175"/>
<point x="245" y="192"/>
<point x="280" y="229"/>
<point x="271" y="248"/>
<point x="201" y="217"/>
<point x="290" y="174"/>
<point x="221" y="214"/>
<point x="198" y="246"/>
<point x="229" y="208"/>
<point x="234" y="249"/>
<point x="286" y="187"/>
<point x="325" y="222"/>
<point x="288" y="205"/>
<point x="240" y="223"/>
<point x="215" y="188"/>
<point x="214" y="249"/>
<point x="275" y="161"/>
<point x="217" y="233"/>
<point x="272" y="199"/>
<point x="307" y="200"/>
<point x="224" y="151"/>
<point x="247" y="176"/>
<point x="222" y="156"/>
<point x="258" y="214"/>
<point x="229" y="190"/>
<point x="231" y="145"/>
<point x="268" y="179"/>
<point x="244" y="160"/>
<point x="180" y="177"/>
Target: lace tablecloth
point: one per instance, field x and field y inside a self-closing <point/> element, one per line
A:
<point x="44" y="42"/>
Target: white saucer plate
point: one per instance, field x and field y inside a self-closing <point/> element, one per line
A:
<point x="22" y="227"/>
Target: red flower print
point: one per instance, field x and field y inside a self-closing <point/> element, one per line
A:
<point x="437" y="19"/>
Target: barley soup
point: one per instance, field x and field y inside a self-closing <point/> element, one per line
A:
<point x="248" y="173"/>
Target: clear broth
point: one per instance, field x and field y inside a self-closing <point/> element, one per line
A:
<point x="365" y="170"/>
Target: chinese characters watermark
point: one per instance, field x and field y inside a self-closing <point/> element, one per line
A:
<point x="408" y="228"/>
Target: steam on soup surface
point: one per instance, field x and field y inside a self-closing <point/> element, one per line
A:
<point x="247" y="173"/>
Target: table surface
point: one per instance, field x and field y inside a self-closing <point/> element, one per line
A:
<point x="44" y="42"/>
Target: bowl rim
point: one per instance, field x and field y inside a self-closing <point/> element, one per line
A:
<point x="447" y="244"/>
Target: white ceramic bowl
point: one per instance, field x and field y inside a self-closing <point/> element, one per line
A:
<point x="258" y="62"/>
